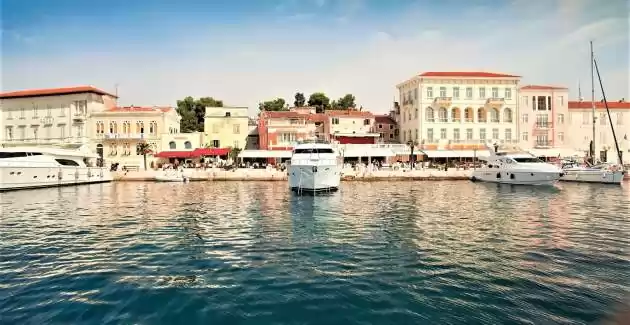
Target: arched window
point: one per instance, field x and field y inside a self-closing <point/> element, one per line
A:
<point x="187" y="145"/>
<point x="172" y="145"/>
<point x="443" y="115"/>
<point x="469" y="115"/>
<point x="494" y="115"/>
<point x="481" y="115"/>
<point x="507" y="115"/>
<point x="430" y="114"/>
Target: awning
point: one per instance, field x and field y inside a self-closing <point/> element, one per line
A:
<point x="368" y="152"/>
<point x="174" y="154"/>
<point x="455" y="153"/>
<point x="265" y="154"/>
<point x="210" y="152"/>
<point x="555" y="152"/>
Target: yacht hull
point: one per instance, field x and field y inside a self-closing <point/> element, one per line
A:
<point x="18" y="178"/>
<point x="592" y="176"/>
<point x="516" y="177"/>
<point x="312" y="178"/>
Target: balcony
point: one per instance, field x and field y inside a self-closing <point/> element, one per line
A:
<point x="79" y="117"/>
<point x="443" y="101"/>
<point x="544" y="125"/>
<point x="128" y="136"/>
<point x="543" y="144"/>
<point x="495" y="101"/>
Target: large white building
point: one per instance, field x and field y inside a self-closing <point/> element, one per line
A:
<point x="459" y="110"/>
<point x="580" y="130"/>
<point x="51" y="116"/>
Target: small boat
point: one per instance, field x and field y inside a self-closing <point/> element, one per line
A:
<point x="516" y="168"/>
<point x="37" y="167"/>
<point x="171" y="175"/>
<point x="314" y="167"/>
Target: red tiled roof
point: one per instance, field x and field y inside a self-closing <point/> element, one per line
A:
<point x="348" y="113"/>
<point x="384" y="119"/>
<point x="283" y="114"/>
<point x="54" y="92"/>
<point x="539" y="87"/>
<point x="470" y="74"/>
<point x="598" y="105"/>
<point x="140" y="109"/>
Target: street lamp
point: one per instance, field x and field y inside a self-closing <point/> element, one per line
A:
<point x="412" y="158"/>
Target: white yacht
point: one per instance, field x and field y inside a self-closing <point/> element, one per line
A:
<point x="314" y="167"/>
<point x="518" y="168"/>
<point x="34" y="167"/>
<point x="603" y="173"/>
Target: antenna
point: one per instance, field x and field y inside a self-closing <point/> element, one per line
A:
<point x="580" y="98"/>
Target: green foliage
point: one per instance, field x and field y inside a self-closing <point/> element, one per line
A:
<point x="277" y="104"/>
<point x="300" y="100"/>
<point x="193" y="112"/>
<point x="234" y="152"/>
<point x="319" y="100"/>
<point x="345" y="102"/>
<point x="144" y="148"/>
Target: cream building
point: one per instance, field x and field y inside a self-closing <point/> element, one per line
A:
<point x="56" y="116"/>
<point x="117" y="131"/>
<point x="458" y="110"/>
<point x="580" y="128"/>
<point x="543" y="118"/>
<point x="226" y="127"/>
<point x="181" y="141"/>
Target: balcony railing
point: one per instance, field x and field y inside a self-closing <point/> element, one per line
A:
<point x="443" y="100"/>
<point x="113" y="136"/>
<point x="543" y="144"/>
<point x="543" y="125"/>
<point x="495" y="100"/>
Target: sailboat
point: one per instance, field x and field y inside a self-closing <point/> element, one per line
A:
<point x="604" y="173"/>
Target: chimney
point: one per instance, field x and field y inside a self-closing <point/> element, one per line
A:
<point x="623" y="100"/>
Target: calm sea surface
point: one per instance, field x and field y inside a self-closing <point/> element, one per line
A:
<point x="374" y="253"/>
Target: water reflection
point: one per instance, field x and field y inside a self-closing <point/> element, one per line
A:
<point x="412" y="252"/>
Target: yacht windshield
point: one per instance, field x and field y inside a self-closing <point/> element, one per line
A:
<point x="314" y="150"/>
<point x="528" y="160"/>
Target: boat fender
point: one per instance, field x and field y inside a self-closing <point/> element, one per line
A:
<point x="314" y="169"/>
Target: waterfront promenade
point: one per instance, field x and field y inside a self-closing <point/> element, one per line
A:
<point x="244" y="174"/>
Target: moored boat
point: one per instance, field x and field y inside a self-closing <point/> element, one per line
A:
<point x="314" y="167"/>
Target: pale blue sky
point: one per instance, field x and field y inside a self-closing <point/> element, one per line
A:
<point x="248" y="51"/>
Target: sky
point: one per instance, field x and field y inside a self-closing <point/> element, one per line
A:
<point x="247" y="51"/>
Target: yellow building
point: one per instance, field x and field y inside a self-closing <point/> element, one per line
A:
<point x="118" y="130"/>
<point x="226" y="127"/>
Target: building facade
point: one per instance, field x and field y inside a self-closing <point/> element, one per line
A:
<point x="51" y="116"/>
<point x="543" y="117"/>
<point x="117" y="131"/>
<point x="580" y="128"/>
<point x="386" y="127"/>
<point x="458" y="110"/>
<point x="226" y="127"/>
<point x="351" y="126"/>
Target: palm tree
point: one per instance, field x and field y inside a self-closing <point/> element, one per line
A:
<point x="144" y="148"/>
<point x="412" y="145"/>
<point x="234" y="152"/>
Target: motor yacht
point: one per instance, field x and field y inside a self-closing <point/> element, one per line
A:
<point x="517" y="168"/>
<point x="605" y="173"/>
<point x="314" y="167"/>
<point x="34" y="167"/>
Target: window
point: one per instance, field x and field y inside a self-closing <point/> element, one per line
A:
<point x="561" y="136"/>
<point x="228" y="114"/>
<point x="495" y="134"/>
<point x="468" y="114"/>
<point x="602" y="118"/>
<point x="542" y="121"/>
<point x="391" y="126"/>
<point x="560" y="118"/>
<point x="481" y="115"/>
<point x="172" y="145"/>
<point x="430" y="115"/>
<point x="442" y="91"/>
<point x="415" y="93"/>
<point x="9" y="132"/>
<point x="524" y="136"/>
<point x="367" y="121"/>
<point x="335" y="120"/>
<point x="469" y="134"/>
<point x="430" y="135"/>
<point x="416" y="134"/>
<point x="494" y="115"/>
<point x="456" y="134"/>
<point x="456" y="92"/>
<point x="415" y="114"/>
<point x="22" y="112"/>
<point x="525" y="101"/>
<point x="187" y="145"/>
<point x="495" y="92"/>
<point x="482" y="134"/>
<point x="442" y="134"/>
<point x="113" y="128"/>
<point x="140" y="127"/>
<point x="216" y="144"/>
<point x="443" y="115"/>
<point x="482" y="93"/>
<point x="48" y="110"/>
<point x="380" y="126"/>
<point x="507" y="115"/>
<point x="508" y="134"/>
<point x="153" y="127"/>
<point x="79" y="130"/>
<point x="561" y="100"/>
<point x="586" y="117"/>
<point x="541" y="103"/>
<point x="236" y="129"/>
<point x="429" y="92"/>
<point x="62" y="110"/>
<point x="508" y="93"/>
<point x="35" y="108"/>
<point x="469" y="93"/>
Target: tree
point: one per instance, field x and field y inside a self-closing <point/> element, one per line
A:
<point x="300" y="100"/>
<point x="234" y="152"/>
<point x="275" y="105"/>
<point x="193" y="112"/>
<point x="143" y="148"/>
<point x="345" y="102"/>
<point x="319" y="99"/>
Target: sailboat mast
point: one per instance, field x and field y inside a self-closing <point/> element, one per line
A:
<point x="592" y="149"/>
<point x="612" y="127"/>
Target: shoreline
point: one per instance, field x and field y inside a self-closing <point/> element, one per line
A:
<point x="278" y="176"/>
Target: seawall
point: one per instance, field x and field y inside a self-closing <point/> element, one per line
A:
<point x="273" y="175"/>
